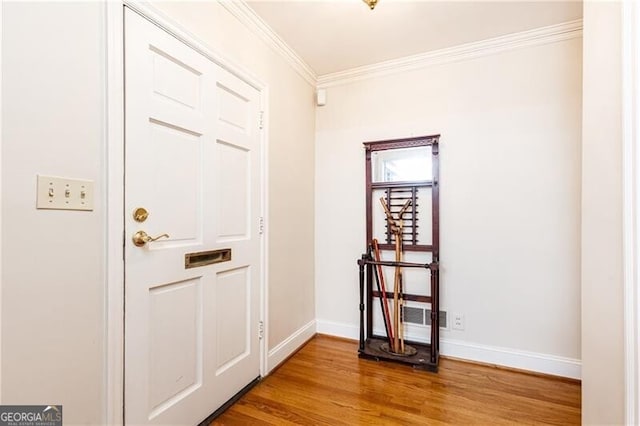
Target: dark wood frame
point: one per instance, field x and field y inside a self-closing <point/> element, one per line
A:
<point x="427" y="354"/>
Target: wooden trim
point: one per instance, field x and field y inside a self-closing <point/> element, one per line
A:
<point x="368" y="197"/>
<point x="401" y="143"/>
<point x="385" y="185"/>
<point x="368" y="261"/>
<point x="406" y="296"/>
<point x="408" y="247"/>
<point x="369" y="303"/>
<point x="435" y="203"/>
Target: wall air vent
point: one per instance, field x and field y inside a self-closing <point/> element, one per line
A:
<point x="413" y="315"/>
<point x="443" y="318"/>
<point x="420" y="316"/>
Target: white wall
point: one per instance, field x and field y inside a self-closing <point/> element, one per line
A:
<point x="510" y="196"/>
<point x="291" y="160"/>
<point x="53" y="289"/>
<point x="602" y="289"/>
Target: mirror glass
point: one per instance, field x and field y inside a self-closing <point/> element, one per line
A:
<point x="402" y="165"/>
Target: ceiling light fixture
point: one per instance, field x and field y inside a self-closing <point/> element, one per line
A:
<point x="371" y="3"/>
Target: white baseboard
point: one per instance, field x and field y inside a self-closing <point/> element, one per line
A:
<point x="338" y="329"/>
<point x="513" y="358"/>
<point x="289" y="345"/>
<point x="522" y="360"/>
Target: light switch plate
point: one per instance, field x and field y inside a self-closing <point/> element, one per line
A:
<point x="59" y="193"/>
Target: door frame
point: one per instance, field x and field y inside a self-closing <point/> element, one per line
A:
<point x="114" y="154"/>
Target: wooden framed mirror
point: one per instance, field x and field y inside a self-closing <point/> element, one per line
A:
<point x="398" y="170"/>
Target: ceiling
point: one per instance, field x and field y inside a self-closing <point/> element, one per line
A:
<point x="332" y="36"/>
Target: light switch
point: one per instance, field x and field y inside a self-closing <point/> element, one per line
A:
<point x="60" y="193"/>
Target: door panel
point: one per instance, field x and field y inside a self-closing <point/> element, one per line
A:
<point x="175" y="80"/>
<point x="234" y="169"/>
<point x="234" y="108"/>
<point x="175" y="321"/>
<point x="192" y="151"/>
<point x="233" y="308"/>
<point x="174" y="198"/>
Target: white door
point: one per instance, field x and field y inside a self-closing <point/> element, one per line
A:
<point x="192" y="161"/>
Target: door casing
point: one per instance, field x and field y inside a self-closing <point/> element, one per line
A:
<point x="114" y="230"/>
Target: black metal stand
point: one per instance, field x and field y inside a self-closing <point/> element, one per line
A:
<point x="371" y="346"/>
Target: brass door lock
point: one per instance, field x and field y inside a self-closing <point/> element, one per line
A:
<point x="140" y="214"/>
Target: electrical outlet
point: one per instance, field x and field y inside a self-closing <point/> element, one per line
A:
<point x="458" y="322"/>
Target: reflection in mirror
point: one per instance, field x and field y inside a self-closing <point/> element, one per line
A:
<point x="402" y="165"/>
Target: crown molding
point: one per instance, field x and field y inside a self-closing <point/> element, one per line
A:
<point x="258" y="26"/>
<point x="539" y="36"/>
<point x="535" y="37"/>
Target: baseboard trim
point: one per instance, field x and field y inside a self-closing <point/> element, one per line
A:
<point x="290" y="345"/>
<point x="338" y="329"/>
<point x="506" y="357"/>
<point x="512" y="358"/>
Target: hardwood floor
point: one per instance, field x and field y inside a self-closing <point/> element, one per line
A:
<point x="326" y="383"/>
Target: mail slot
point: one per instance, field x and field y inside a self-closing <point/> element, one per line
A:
<point x="202" y="258"/>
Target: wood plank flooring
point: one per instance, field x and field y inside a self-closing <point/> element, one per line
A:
<point x="326" y="383"/>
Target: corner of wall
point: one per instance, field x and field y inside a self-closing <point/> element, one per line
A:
<point x="290" y="345"/>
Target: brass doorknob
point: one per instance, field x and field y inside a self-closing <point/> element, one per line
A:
<point x="141" y="238"/>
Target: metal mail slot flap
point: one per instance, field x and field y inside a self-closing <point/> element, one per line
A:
<point x="202" y="258"/>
